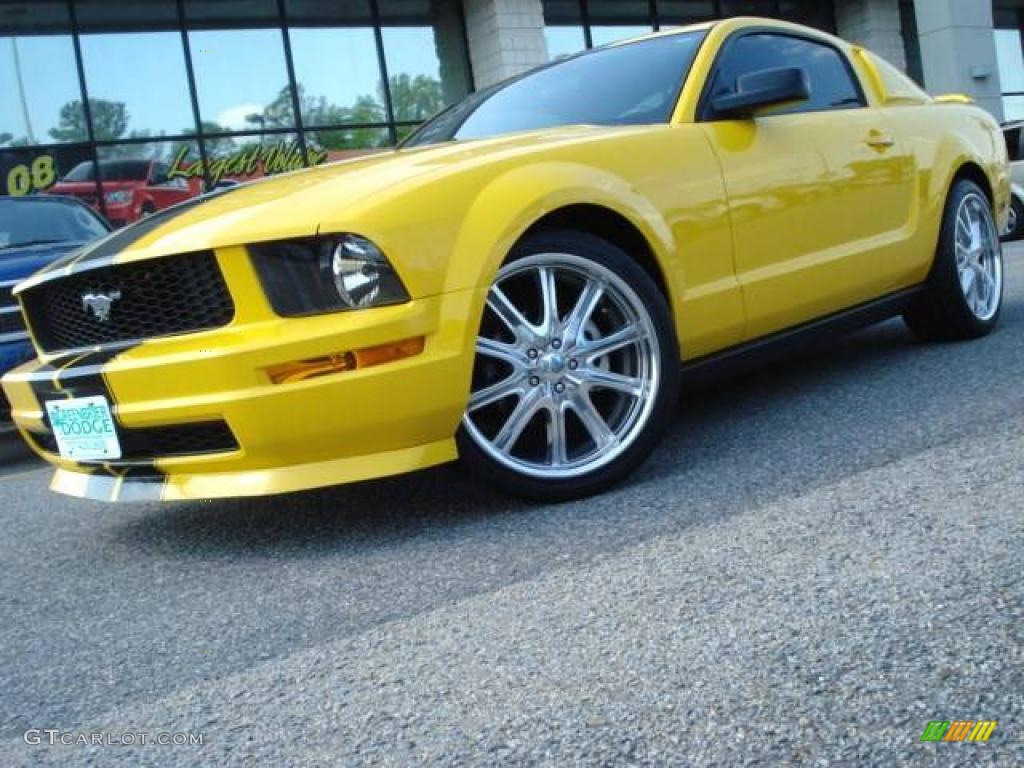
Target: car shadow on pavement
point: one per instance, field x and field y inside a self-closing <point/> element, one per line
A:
<point x="381" y="512"/>
<point x="807" y="419"/>
<point x="372" y="513"/>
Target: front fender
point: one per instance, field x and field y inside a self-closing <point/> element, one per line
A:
<point x="511" y="203"/>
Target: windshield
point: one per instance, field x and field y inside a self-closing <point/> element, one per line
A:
<point x="630" y="84"/>
<point x="28" y="222"/>
<point x="116" y="170"/>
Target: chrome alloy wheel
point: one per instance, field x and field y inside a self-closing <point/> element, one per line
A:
<point x="979" y="260"/>
<point x="567" y="367"/>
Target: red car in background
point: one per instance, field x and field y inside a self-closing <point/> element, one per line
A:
<point x="132" y="188"/>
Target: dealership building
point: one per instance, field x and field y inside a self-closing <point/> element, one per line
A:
<point x="176" y="96"/>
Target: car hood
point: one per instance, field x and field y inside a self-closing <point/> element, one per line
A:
<point x="19" y="262"/>
<point x="298" y="203"/>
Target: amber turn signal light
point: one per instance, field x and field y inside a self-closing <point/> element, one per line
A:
<point x="299" y="370"/>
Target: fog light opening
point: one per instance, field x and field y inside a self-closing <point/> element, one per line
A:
<point x="300" y="370"/>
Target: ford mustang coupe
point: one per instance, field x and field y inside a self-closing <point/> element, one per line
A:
<point x="523" y="282"/>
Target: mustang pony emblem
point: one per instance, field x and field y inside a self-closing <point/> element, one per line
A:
<point x="98" y="304"/>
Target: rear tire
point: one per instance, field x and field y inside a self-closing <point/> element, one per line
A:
<point x="964" y="292"/>
<point x="576" y="372"/>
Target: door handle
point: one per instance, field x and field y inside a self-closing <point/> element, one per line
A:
<point x="879" y="140"/>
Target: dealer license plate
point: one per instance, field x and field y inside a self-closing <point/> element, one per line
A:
<point x="84" y="428"/>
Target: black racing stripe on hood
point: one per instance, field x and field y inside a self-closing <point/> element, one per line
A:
<point x="103" y="252"/>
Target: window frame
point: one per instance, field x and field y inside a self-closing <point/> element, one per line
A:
<point x="705" y="113"/>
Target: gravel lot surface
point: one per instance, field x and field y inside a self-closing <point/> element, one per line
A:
<point x="821" y="558"/>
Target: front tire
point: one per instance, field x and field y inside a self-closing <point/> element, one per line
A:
<point x="576" y="373"/>
<point x="964" y="293"/>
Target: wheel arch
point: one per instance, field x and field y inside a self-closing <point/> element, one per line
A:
<point x="566" y="195"/>
<point x="611" y="226"/>
<point x="969" y="170"/>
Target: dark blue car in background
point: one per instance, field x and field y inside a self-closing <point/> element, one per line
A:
<point x="34" y="231"/>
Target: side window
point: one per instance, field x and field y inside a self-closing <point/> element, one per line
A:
<point x="832" y="83"/>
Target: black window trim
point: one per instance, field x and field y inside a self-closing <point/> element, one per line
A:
<point x="704" y="112"/>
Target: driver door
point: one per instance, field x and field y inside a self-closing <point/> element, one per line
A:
<point x="819" y="192"/>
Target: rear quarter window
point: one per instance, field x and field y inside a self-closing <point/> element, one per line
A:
<point x="896" y="87"/>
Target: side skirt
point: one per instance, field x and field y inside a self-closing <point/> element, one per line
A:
<point x="754" y="354"/>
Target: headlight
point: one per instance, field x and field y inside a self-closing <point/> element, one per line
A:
<point x="326" y="274"/>
<point x="119" y="196"/>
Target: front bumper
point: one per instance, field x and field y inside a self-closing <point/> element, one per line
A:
<point x="337" y="428"/>
<point x="120" y="214"/>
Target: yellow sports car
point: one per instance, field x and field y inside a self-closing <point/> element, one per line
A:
<point x="524" y="281"/>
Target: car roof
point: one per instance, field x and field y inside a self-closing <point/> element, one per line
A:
<point x="738" y="23"/>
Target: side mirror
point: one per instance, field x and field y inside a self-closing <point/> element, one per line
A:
<point x="765" y="88"/>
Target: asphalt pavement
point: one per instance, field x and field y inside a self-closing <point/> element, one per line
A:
<point x="822" y="557"/>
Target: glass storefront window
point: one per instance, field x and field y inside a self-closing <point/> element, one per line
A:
<point x="40" y="97"/>
<point x="424" y="51"/>
<point x="572" y="25"/>
<point x="31" y="170"/>
<point x="813" y="13"/>
<point x="563" y="28"/>
<point x="612" y="20"/>
<point x="328" y="39"/>
<point x="341" y="143"/>
<point x="678" y="13"/>
<point x="135" y="72"/>
<point x="135" y="180"/>
<point x="1013" y="108"/>
<point x="252" y="157"/>
<point x="564" y="41"/>
<point x="238" y="59"/>
<point x="749" y="8"/>
<point x="611" y="34"/>
<point x="1010" y="57"/>
<point x="413" y="72"/>
<point x="326" y="99"/>
<point x="135" y="62"/>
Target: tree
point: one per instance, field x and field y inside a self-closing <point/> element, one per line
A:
<point x="218" y="146"/>
<point x="278" y="113"/>
<point x="5" y="137"/>
<point x="415" y="98"/>
<point x="109" y="121"/>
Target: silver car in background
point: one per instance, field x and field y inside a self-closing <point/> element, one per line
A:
<point x="1014" y="133"/>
